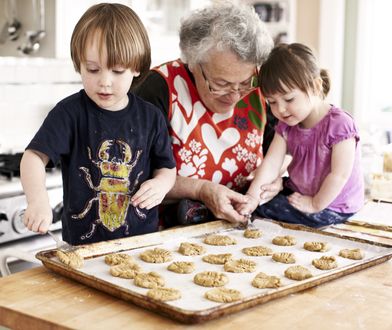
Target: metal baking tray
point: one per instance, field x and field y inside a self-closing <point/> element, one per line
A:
<point x="193" y="307"/>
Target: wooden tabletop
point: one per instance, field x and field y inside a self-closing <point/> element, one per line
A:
<point x="40" y="299"/>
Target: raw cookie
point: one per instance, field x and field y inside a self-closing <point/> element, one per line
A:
<point x="156" y="255"/>
<point x="70" y="258"/>
<point x="209" y="278"/>
<point x="252" y="233"/>
<point x="284" y="240"/>
<point x="219" y="240"/>
<point x="149" y="280"/>
<point x="117" y="258"/>
<point x="284" y="257"/>
<point x="325" y="263"/>
<point x="223" y="295"/>
<point x="316" y="246"/>
<point x="240" y="266"/>
<point x="297" y="273"/>
<point x="355" y="254"/>
<point x="191" y="249"/>
<point x="219" y="259"/>
<point x="257" y="251"/>
<point x="125" y="270"/>
<point x="263" y="281"/>
<point x="164" y="294"/>
<point x="182" y="267"/>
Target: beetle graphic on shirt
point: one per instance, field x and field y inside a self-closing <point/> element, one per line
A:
<point x="114" y="191"/>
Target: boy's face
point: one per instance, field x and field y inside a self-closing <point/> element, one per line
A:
<point x="108" y="88"/>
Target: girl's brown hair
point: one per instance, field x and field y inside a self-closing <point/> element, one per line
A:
<point x="120" y="30"/>
<point x="292" y="66"/>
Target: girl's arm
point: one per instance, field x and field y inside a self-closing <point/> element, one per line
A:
<point x="342" y="162"/>
<point x="38" y="215"/>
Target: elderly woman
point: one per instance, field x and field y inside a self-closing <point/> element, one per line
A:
<point x="216" y="116"/>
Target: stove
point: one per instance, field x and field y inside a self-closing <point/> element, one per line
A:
<point x="13" y="201"/>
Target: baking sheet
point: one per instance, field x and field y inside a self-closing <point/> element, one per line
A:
<point x="193" y="307"/>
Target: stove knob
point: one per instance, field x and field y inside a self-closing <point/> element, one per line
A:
<point x="3" y="217"/>
<point x="17" y="222"/>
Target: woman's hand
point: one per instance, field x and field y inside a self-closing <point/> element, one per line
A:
<point x="222" y="201"/>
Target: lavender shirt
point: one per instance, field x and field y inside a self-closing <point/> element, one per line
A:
<point x="311" y="150"/>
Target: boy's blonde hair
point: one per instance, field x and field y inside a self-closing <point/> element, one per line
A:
<point x="120" y="30"/>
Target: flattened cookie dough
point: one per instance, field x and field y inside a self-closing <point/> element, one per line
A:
<point x="70" y="258"/>
<point x="218" y="259"/>
<point x="284" y="240"/>
<point x="284" y="257"/>
<point x="164" y="294"/>
<point x="297" y="273"/>
<point x="156" y="256"/>
<point x="317" y="246"/>
<point x="209" y="278"/>
<point x="252" y="233"/>
<point x="191" y="249"/>
<point x="240" y="266"/>
<point x="117" y="258"/>
<point x="223" y="295"/>
<point x="125" y="270"/>
<point x="149" y="280"/>
<point x="325" y="263"/>
<point x="263" y="281"/>
<point x="219" y="240"/>
<point x="182" y="267"/>
<point x="355" y="254"/>
<point x="257" y="251"/>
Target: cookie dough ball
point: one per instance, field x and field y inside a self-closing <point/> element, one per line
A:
<point x="355" y="254"/>
<point x="219" y="240"/>
<point x="258" y="251"/>
<point x="284" y="240"/>
<point x="284" y="257"/>
<point x="252" y="233"/>
<point x="297" y="273"/>
<point x="209" y="278"/>
<point x="164" y="294"/>
<point x="240" y="266"/>
<point x="70" y="258"/>
<point x="149" y="280"/>
<point x="223" y="295"/>
<point x="218" y="259"/>
<point x="263" y="281"/>
<point x="317" y="246"/>
<point x="125" y="270"/>
<point x="156" y="256"/>
<point x="325" y="263"/>
<point x="118" y="258"/>
<point x="182" y="267"/>
<point x="191" y="249"/>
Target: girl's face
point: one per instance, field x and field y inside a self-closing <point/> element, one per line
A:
<point x="294" y="107"/>
<point x="108" y="88"/>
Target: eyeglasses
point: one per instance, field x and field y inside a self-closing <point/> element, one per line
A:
<point x="243" y="87"/>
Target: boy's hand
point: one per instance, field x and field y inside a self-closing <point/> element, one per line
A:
<point x="150" y="194"/>
<point x="38" y="217"/>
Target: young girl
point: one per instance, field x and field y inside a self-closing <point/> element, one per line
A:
<point x="325" y="184"/>
<point x="115" y="153"/>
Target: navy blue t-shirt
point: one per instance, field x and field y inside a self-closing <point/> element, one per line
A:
<point x="105" y="156"/>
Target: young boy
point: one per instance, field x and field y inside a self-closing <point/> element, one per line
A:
<point x="115" y="153"/>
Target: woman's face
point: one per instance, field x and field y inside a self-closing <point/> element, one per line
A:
<point x="223" y="71"/>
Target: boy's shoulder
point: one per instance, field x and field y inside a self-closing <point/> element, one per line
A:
<point x="144" y="105"/>
<point x="72" y="99"/>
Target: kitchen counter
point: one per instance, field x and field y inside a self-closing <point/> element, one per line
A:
<point x="40" y="299"/>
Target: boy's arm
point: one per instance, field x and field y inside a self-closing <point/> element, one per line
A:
<point x="342" y="162"/>
<point x="152" y="192"/>
<point x="38" y="215"/>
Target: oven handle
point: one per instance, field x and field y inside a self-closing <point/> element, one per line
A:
<point x="15" y="253"/>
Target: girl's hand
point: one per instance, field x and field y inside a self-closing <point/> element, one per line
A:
<point x="38" y="217"/>
<point x="150" y="194"/>
<point x="248" y="206"/>
<point x="302" y="203"/>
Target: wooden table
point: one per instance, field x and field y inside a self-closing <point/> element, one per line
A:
<point x="40" y="299"/>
